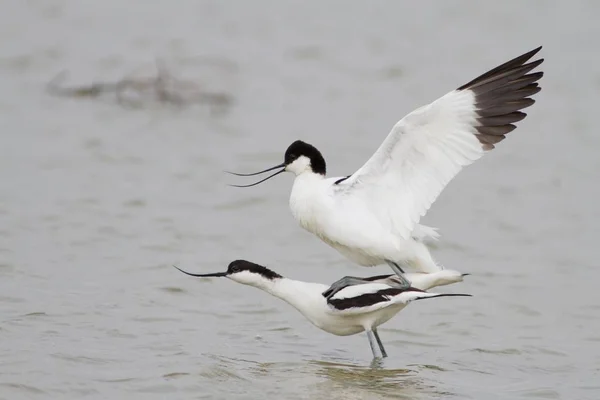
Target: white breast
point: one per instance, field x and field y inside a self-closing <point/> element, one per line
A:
<point x="345" y="226"/>
<point x="311" y="202"/>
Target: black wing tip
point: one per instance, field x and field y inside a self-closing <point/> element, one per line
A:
<point x="529" y="55"/>
<point x="535" y="63"/>
<point x="533" y="52"/>
<point x="499" y="95"/>
<point x="515" y="63"/>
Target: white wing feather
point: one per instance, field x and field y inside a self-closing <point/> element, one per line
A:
<point x="422" y="153"/>
<point x="427" y="148"/>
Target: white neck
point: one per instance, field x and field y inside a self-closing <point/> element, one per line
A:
<point x="306" y="200"/>
<point x="291" y="291"/>
<point x="303" y="296"/>
<point x="308" y="176"/>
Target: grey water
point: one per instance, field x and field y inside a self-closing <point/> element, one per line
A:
<point x="98" y="201"/>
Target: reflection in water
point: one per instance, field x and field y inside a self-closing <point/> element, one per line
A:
<point x="327" y="379"/>
<point x="223" y="369"/>
<point x="355" y="381"/>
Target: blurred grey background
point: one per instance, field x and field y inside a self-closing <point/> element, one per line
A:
<point x="99" y="200"/>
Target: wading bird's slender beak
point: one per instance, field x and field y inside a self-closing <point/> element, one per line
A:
<point x="282" y="165"/>
<point x="258" y="173"/>
<point x="466" y="274"/>
<point x="214" y="274"/>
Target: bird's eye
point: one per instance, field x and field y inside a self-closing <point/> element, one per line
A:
<point x="292" y="156"/>
<point x="235" y="268"/>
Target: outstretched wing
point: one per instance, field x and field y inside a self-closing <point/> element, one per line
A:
<point x="429" y="147"/>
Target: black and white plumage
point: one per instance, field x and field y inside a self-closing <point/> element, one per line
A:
<point x="373" y="216"/>
<point x="351" y="310"/>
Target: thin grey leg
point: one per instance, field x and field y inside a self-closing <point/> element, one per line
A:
<point x="373" y="343"/>
<point x="404" y="283"/>
<point x="376" y="334"/>
<point x="341" y="284"/>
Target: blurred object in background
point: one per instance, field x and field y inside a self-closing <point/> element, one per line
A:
<point x="136" y="90"/>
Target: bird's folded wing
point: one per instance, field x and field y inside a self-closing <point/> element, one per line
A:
<point x="429" y="147"/>
<point x="369" y="297"/>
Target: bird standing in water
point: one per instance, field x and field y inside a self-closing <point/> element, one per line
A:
<point x="354" y="309"/>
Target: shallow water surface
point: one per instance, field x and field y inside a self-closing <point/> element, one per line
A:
<point x="98" y="201"/>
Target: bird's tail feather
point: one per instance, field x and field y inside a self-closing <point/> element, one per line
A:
<point x="424" y="233"/>
<point x="421" y="259"/>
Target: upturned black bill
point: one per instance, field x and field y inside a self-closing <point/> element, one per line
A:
<point x="214" y="274"/>
<point x="282" y="165"/>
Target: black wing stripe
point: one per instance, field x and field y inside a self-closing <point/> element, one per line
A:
<point x="377" y="277"/>
<point x="341" y="180"/>
<point x="369" y="299"/>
